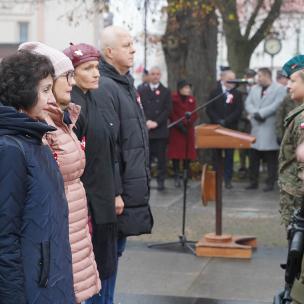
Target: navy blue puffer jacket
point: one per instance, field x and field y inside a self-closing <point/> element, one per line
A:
<point x="35" y="255"/>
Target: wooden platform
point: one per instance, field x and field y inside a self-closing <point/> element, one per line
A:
<point x="226" y="246"/>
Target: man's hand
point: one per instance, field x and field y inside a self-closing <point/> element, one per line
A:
<point x="119" y="205"/>
<point x="258" y="117"/>
<point x="151" y="124"/>
<point x="221" y="122"/>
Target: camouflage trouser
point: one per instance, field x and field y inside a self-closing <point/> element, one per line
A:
<point x="297" y="291"/>
<point x="288" y="204"/>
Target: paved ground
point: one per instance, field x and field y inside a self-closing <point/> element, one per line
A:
<point x="162" y="276"/>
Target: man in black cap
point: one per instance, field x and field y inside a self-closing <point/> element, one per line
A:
<point x="156" y="101"/>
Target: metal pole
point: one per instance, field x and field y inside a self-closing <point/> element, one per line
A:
<point x="298" y="31"/>
<point x="145" y="32"/>
<point x="218" y="198"/>
<point x="271" y="64"/>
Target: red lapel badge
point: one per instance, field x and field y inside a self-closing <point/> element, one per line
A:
<point x="83" y="143"/>
<point x="229" y="98"/>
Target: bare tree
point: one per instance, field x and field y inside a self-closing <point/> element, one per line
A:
<point x="259" y="22"/>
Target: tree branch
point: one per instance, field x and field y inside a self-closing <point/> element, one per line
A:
<point x="229" y="14"/>
<point x="267" y="23"/>
<point x="252" y="19"/>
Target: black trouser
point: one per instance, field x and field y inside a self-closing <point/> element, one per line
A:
<point x="228" y="162"/>
<point x="243" y="154"/>
<point x="158" y="149"/>
<point x="271" y="159"/>
<point x="176" y="166"/>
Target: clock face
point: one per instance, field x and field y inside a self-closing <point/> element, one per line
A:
<point x="272" y="46"/>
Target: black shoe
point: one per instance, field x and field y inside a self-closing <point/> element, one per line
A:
<point x="268" y="188"/>
<point x="177" y="182"/>
<point x="252" y="187"/>
<point x="160" y="186"/>
<point x="228" y="185"/>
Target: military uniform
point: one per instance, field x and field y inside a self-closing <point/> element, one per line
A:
<point x="291" y="172"/>
<point x="286" y="106"/>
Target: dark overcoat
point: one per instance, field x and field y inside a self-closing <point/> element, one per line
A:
<point x="98" y="131"/>
<point x="118" y="94"/>
<point x="157" y="107"/>
<point x="220" y="109"/>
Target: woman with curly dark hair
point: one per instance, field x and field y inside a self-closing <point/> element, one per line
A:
<point x="71" y="160"/>
<point x="35" y="255"/>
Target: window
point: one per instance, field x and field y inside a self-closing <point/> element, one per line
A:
<point x="23" y="31"/>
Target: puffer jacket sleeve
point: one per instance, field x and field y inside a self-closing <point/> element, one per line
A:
<point x="12" y="198"/>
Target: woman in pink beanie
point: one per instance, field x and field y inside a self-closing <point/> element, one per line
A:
<point x="100" y="132"/>
<point x="70" y="157"/>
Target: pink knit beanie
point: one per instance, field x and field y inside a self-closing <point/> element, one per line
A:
<point x="60" y="61"/>
<point x="81" y="53"/>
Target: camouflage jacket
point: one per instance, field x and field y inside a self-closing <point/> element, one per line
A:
<point x="291" y="172"/>
<point x="286" y="106"/>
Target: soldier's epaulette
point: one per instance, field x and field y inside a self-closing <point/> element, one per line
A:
<point x="292" y="114"/>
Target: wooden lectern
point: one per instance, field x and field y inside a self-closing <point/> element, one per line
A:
<point x="217" y="244"/>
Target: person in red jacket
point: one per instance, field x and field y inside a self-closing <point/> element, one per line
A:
<point x="182" y="102"/>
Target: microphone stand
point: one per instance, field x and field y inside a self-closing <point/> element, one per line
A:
<point x="182" y="239"/>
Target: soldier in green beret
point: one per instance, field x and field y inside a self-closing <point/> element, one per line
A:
<point x="291" y="166"/>
<point x="290" y="184"/>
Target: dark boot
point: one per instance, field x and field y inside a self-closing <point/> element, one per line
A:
<point x="252" y="187"/>
<point x="177" y="182"/>
<point x="228" y="185"/>
<point x="160" y="185"/>
<point x="268" y="188"/>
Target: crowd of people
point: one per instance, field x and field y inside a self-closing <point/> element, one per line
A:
<point x="77" y="142"/>
<point x="74" y="178"/>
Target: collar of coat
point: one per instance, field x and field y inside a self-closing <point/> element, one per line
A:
<point x="13" y="122"/>
<point x="109" y="71"/>
<point x="56" y="115"/>
<point x="292" y="114"/>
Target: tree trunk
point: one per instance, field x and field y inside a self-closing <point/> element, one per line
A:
<point x="190" y="48"/>
<point x="239" y="55"/>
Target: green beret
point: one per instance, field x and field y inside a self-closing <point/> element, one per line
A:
<point x="293" y="65"/>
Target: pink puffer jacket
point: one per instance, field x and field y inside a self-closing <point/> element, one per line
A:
<point x="71" y="160"/>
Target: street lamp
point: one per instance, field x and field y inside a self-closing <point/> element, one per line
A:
<point x="145" y="32"/>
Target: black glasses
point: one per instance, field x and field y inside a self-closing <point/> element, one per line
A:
<point x="69" y="76"/>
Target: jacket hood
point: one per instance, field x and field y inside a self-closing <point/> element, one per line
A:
<point x="13" y="122"/>
<point x="292" y="114"/>
<point x="109" y="71"/>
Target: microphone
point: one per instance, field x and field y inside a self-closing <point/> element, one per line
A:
<point x="241" y="81"/>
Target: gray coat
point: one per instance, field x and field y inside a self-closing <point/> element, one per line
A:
<point x="266" y="106"/>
